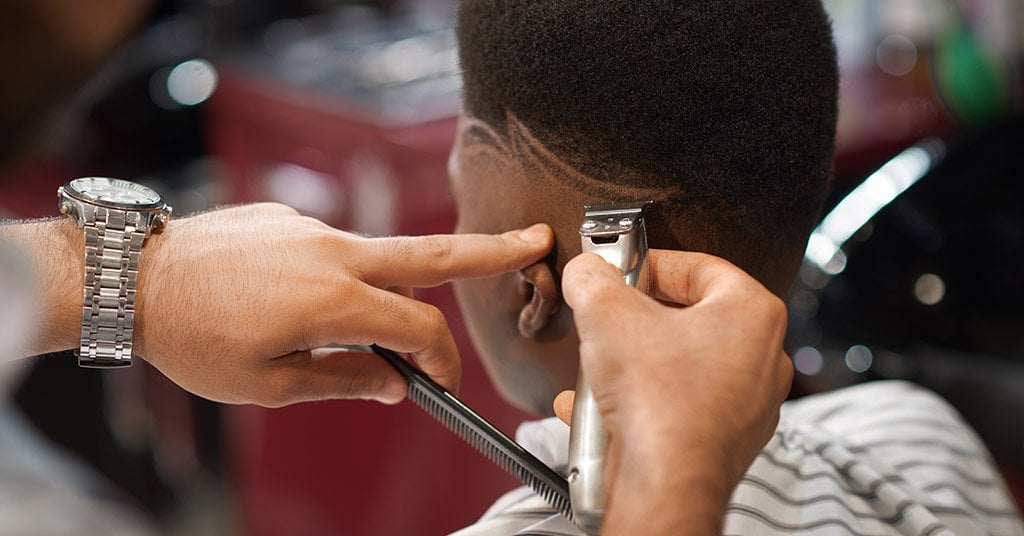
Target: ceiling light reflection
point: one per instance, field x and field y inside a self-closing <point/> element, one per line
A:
<point x="896" y="55"/>
<point x="808" y="361"/>
<point x="859" y="358"/>
<point x="192" y="82"/>
<point x="929" y="289"/>
<point x="857" y="208"/>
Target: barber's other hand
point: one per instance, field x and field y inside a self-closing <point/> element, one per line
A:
<point x="689" y="394"/>
<point x="236" y="305"/>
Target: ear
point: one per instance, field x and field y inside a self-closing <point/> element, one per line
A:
<point x="538" y="288"/>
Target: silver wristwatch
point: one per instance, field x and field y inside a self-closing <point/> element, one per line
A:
<point x="117" y="216"/>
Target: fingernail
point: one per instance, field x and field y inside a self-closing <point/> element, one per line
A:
<point x="537" y="232"/>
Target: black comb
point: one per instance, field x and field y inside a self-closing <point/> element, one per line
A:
<point x="480" y="434"/>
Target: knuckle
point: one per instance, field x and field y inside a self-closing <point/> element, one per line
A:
<point x="436" y="322"/>
<point x="275" y="207"/>
<point x="326" y="242"/>
<point x="280" y="390"/>
<point x="272" y="403"/>
<point x="267" y="399"/>
<point x="784" y="363"/>
<point x="786" y="366"/>
<point x="314" y="307"/>
<point x="345" y="285"/>
<point x="785" y="372"/>
<point x="776" y="310"/>
<point x="437" y="249"/>
<point x="313" y="223"/>
<point x="353" y="385"/>
<point x="704" y="263"/>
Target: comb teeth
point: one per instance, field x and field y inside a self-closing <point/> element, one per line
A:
<point x="481" y="435"/>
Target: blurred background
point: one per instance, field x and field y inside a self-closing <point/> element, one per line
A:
<point x="345" y="110"/>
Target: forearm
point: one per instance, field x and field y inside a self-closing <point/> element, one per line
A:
<point x="55" y="249"/>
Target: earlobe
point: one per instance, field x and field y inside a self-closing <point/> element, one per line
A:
<point x="538" y="287"/>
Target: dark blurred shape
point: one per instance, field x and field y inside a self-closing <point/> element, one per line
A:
<point x="46" y="52"/>
<point x="933" y="288"/>
<point x="83" y="428"/>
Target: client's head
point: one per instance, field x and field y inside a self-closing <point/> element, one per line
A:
<point x="720" y="111"/>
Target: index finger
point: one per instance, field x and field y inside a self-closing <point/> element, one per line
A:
<point x="686" y="277"/>
<point x="427" y="261"/>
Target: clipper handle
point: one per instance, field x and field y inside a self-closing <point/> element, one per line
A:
<point x="616" y="233"/>
<point x="588" y="444"/>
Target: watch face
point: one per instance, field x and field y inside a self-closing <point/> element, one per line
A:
<point x="115" y="192"/>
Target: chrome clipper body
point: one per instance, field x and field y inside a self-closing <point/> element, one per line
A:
<point x="618" y="234"/>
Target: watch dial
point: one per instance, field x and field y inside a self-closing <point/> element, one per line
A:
<point x="115" y="191"/>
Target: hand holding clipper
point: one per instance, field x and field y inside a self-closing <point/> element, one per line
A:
<point x="617" y="233"/>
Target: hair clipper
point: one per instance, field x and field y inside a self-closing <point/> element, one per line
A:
<point x="617" y="233"/>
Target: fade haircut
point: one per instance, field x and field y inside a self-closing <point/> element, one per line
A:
<point x="730" y="103"/>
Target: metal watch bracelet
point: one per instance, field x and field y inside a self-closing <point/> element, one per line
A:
<point x="113" y="243"/>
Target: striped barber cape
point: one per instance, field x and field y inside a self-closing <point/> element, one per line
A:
<point x="880" y="458"/>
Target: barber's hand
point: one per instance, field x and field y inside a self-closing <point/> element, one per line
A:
<point x="689" y="394"/>
<point x="233" y="304"/>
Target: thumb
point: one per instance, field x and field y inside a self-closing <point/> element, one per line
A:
<point x="590" y="285"/>
<point x="563" y="405"/>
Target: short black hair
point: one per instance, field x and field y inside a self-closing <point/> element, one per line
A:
<point x="732" y="102"/>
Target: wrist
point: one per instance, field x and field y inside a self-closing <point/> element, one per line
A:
<point x="148" y="294"/>
<point x="116" y="217"/>
<point x="54" y="247"/>
<point x="69" y="272"/>
<point x="670" y="487"/>
<point x="685" y="498"/>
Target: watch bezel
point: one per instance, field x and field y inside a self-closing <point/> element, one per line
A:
<point x="74" y="192"/>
